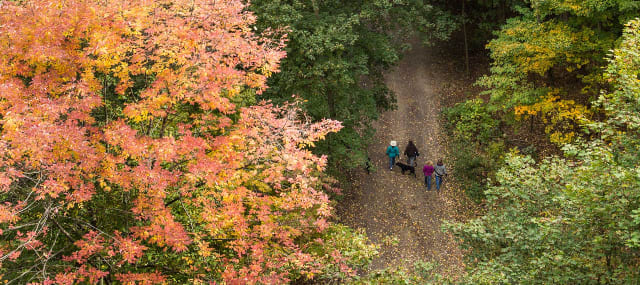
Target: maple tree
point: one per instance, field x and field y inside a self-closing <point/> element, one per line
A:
<point x="132" y="150"/>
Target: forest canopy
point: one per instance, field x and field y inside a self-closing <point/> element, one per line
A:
<point x="175" y="141"/>
<point x="576" y="219"/>
<point x="133" y="150"/>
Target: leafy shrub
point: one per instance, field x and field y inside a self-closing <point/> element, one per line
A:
<point x="475" y="156"/>
<point x="469" y="167"/>
<point x="470" y="121"/>
<point x="340" y="241"/>
<point x="420" y="273"/>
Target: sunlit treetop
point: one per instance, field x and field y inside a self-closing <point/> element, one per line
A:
<point x="128" y="152"/>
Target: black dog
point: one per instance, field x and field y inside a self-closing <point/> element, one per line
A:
<point x="406" y="167"/>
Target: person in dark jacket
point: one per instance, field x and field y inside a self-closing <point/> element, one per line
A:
<point x="392" y="152"/>
<point x="440" y="172"/>
<point x="411" y="151"/>
<point x="428" y="171"/>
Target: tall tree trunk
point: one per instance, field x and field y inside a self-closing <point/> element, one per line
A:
<point x="503" y="11"/>
<point x="466" y="44"/>
<point x="316" y="8"/>
<point x="331" y="103"/>
<point x="164" y="125"/>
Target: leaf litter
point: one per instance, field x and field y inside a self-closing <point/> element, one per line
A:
<point x="397" y="211"/>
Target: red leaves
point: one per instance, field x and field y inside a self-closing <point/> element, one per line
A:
<point x="84" y="272"/>
<point x="238" y="185"/>
<point x="7" y="214"/>
<point x="130" y="250"/>
<point x="5" y="182"/>
<point x="90" y="244"/>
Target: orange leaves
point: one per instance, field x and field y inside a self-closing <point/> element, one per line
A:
<point x="123" y="136"/>
<point x="194" y="49"/>
<point x="52" y="188"/>
<point x="129" y="107"/>
<point x="141" y="278"/>
<point x="90" y="244"/>
<point x="6" y="179"/>
<point x="130" y="250"/>
<point x="7" y="214"/>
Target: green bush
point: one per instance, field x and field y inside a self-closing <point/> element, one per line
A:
<point x="469" y="167"/>
<point x="476" y="154"/>
<point x="470" y="121"/>
<point x="420" y="273"/>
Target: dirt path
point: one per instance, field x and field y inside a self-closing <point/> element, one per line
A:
<point x="396" y="210"/>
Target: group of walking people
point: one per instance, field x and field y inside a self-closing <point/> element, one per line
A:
<point x="411" y="151"/>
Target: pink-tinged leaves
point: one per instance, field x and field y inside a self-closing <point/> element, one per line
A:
<point x="130" y="250"/>
<point x="237" y="184"/>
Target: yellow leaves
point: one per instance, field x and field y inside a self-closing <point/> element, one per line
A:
<point x="108" y="168"/>
<point x="534" y="47"/>
<point x="561" y="117"/>
<point x="160" y="101"/>
<point x="519" y="111"/>
<point x="10" y="125"/>
<point x="158" y="240"/>
<point x="89" y="78"/>
<point x="259" y="185"/>
<point x="266" y="70"/>
<point x="233" y="92"/>
<point x="136" y="114"/>
<point x="62" y="150"/>
<point x="561" y="138"/>
<point x="310" y="275"/>
<point x="188" y="260"/>
<point x="305" y="144"/>
<point x="231" y="197"/>
<point x="104" y="185"/>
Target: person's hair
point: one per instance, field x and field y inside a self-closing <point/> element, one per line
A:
<point x="429" y="162"/>
<point x="410" y="143"/>
<point x="440" y="161"/>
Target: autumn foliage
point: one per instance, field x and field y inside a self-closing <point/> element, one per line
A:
<point x="129" y="151"/>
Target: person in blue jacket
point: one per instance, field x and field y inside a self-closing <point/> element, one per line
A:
<point x="393" y="151"/>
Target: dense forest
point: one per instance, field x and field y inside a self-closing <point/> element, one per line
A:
<point x="208" y="142"/>
<point x="552" y="147"/>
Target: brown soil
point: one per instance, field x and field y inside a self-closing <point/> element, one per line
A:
<point x="396" y="211"/>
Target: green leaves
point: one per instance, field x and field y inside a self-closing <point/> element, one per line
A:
<point x="419" y="273"/>
<point x="337" y="52"/>
<point x="571" y="220"/>
<point x="530" y="56"/>
<point x="472" y="129"/>
<point x="471" y="119"/>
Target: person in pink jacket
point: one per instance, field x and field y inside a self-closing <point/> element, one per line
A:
<point x="428" y="171"/>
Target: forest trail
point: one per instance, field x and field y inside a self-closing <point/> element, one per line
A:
<point x="396" y="211"/>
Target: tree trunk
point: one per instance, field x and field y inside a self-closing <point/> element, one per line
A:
<point x="466" y="44"/>
<point x="331" y="103"/>
<point x="503" y="11"/>
<point x="164" y="125"/>
<point x="316" y="8"/>
<point x="531" y="124"/>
